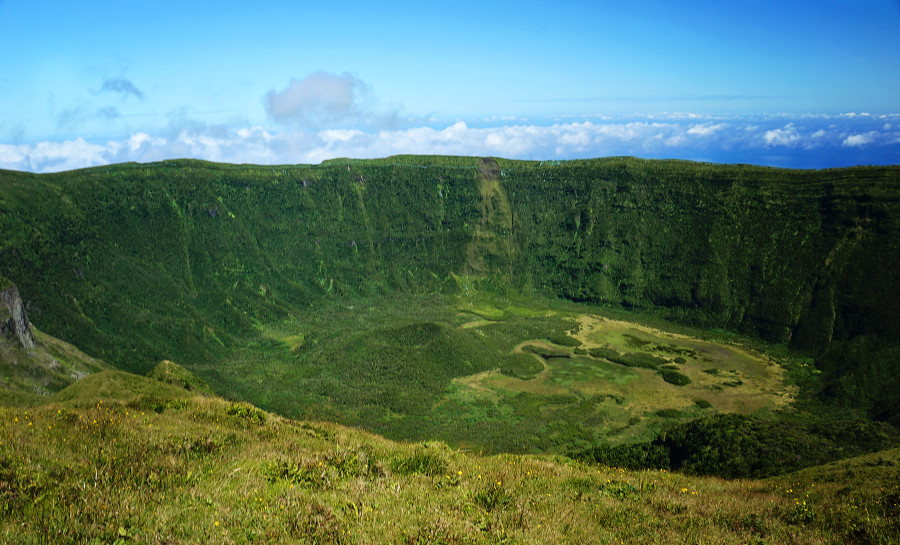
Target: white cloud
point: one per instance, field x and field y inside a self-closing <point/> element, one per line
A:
<point x="140" y="139"/>
<point x="785" y="136"/>
<point x="859" y="140"/>
<point x="706" y="129"/>
<point x="53" y="156"/>
<point x="323" y="99"/>
<point x="13" y="157"/>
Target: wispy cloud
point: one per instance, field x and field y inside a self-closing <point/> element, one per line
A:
<point x="68" y="118"/>
<point x="123" y="87"/>
<point x="323" y="99"/>
<point x="108" y="112"/>
<point x="795" y="141"/>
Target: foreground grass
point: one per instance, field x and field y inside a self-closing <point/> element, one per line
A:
<point x="159" y="466"/>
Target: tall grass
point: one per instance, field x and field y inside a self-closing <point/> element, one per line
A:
<point x="206" y="471"/>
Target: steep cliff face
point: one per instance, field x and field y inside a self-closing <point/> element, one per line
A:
<point x="13" y="321"/>
<point x="805" y="257"/>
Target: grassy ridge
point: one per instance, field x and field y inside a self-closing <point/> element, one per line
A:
<point x="154" y="463"/>
<point x="190" y="261"/>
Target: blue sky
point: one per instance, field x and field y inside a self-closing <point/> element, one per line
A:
<point x="797" y="84"/>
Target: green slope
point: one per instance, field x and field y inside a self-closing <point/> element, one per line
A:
<point x="193" y="261"/>
<point x="140" y="461"/>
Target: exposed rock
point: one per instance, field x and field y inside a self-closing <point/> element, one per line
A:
<point x="13" y="321"/>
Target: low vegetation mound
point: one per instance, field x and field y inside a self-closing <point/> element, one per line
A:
<point x="176" y="375"/>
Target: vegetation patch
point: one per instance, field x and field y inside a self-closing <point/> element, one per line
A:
<point x="674" y="377"/>
<point x="738" y="446"/>
<point x="247" y="412"/>
<point x="294" y="342"/>
<point x="564" y="340"/>
<point x="546" y="351"/>
<point x="176" y="375"/>
<point x="424" y="460"/>
<point x="581" y="399"/>
<point x="492" y="496"/>
<point x="669" y="413"/>
<point x="522" y="366"/>
<point x="629" y="359"/>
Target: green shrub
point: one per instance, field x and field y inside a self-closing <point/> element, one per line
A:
<point x="674" y="377"/>
<point x="669" y="413"/>
<point x="632" y="456"/>
<point x="546" y="351"/>
<point x="564" y="340"/>
<point x="247" y="412"/>
<point x="304" y="473"/>
<point x="492" y="496"/>
<point x="354" y="463"/>
<point x="325" y="472"/>
<point x="629" y="359"/>
<point x="523" y="366"/>
<point x="738" y="446"/>
<point x="424" y="460"/>
<point x="158" y="404"/>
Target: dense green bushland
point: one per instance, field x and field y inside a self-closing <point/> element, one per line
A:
<point x="188" y="260"/>
<point x="736" y="446"/>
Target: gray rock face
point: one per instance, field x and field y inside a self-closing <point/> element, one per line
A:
<point x="13" y="321"/>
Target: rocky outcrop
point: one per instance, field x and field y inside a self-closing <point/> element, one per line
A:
<point x="13" y="321"/>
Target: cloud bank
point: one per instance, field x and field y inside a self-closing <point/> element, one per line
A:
<point x="796" y="141"/>
<point x="325" y="116"/>
<point x="804" y="142"/>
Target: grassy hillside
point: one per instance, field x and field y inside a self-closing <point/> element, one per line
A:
<point x="118" y="458"/>
<point x="303" y="276"/>
<point x="48" y="367"/>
